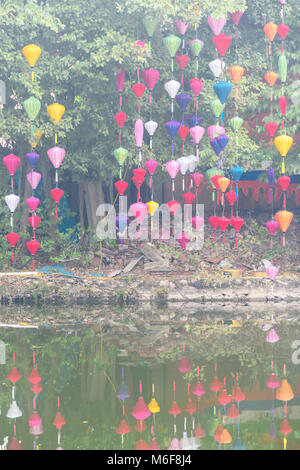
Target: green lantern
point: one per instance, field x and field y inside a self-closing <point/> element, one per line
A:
<point x="236" y="123"/>
<point x="172" y="44"/>
<point x="196" y="46"/>
<point x="282" y="67"/>
<point x="121" y="154"/>
<point x="212" y="425"/>
<point x="150" y="24"/>
<point x="32" y="107"/>
<point x="217" y="107"/>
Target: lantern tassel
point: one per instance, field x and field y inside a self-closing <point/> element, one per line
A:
<point x="32" y="76"/>
<point x="13" y="256"/>
<point x="32" y="264"/>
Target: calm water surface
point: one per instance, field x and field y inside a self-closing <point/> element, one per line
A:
<point x="79" y="370"/>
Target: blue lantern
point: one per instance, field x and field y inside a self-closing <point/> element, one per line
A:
<point x="183" y="100"/>
<point x="222" y="90"/>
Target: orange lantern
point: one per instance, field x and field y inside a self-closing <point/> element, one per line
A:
<point x="31" y="54"/>
<point x="271" y="78"/>
<point x="236" y="72"/>
<point x="225" y="437"/>
<point x="284" y="219"/>
<point x="223" y="183"/>
<point x="270" y="30"/>
<point x="284" y="392"/>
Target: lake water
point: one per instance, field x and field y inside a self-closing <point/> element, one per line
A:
<point x="84" y="365"/>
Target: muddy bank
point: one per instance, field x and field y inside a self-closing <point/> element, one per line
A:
<point x="55" y="290"/>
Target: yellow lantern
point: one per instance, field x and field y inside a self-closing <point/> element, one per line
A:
<point x="283" y="144"/>
<point x="152" y="208"/>
<point x="56" y="112"/>
<point x="153" y="405"/>
<point x="37" y="137"/>
<point x="31" y="54"/>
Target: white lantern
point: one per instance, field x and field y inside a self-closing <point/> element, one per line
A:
<point x="151" y="127"/>
<point x="184" y="166"/>
<point x="217" y="67"/>
<point x="14" y="411"/>
<point x="12" y="201"/>
<point x="172" y="88"/>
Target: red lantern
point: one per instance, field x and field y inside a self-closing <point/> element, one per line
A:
<point x="284" y="182"/>
<point x="34" y="376"/>
<point x="14" y="375"/>
<point x="188" y="198"/>
<point x="173" y="207"/>
<point x="183" y="132"/>
<point x="215" y="385"/>
<point x="56" y="194"/>
<point x="139" y="89"/>
<point x="34" y="221"/>
<point x="15" y="445"/>
<point x="182" y="61"/>
<point x="221" y="43"/>
<point x="140" y="425"/>
<point x="214" y="223"/>
<point x="123" y="427"/>
<point x="271" y="128"/>
<point x="196" y="86"/>
<point x="285" y="428"/>
<point x="231" y="198"/>
<point x="12" y="239"/>
<point x="58" y="421"/>
<point x="218" y="432"/>
<point x="33" y="247"/>
<point x="237" y="394"/>
<point x="282" y="30"/>
<point x="237" y="223"/>
<point x="224" y="398"/>
<point x="120" y="119"/>
<point x="141" y="445"/>
<point x="233" y="412"/>
<point x="140" y="174"/>
<point x="121" y="187"/>
<point x="223" y="224"/>
<point x="174" y="409"/>
<point x="199" y="432"/>
<point x="236" y="17"/>
<point x="191" y="406"/>
<point x="214" y="180"/>
<point x="36" y="388"/>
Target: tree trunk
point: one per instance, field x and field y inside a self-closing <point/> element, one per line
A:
<point x="93" y="197"/>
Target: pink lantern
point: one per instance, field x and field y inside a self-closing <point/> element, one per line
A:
<point x="32" y="203"/>
<point x="151" y="166"/>
<point x="150" y="77"/>
<point x="272" y="336"/>
<point x="139" y="210"/>
<point x="272" y="272"/>
<point x="273" y="382"/>
<point x="56" y="156"/>
<point x="236" y="16"/>
<point x="173" y="168"/>
<point x="197" y="132"/>
<point x="11" y="163"/>
<point x="140" y="410"/>
<point x="183" y="239"/>
<point x="214" y="131"/>
<point x="33" y="179"/>
<point x="35" y="419"/>
<point x="272" y="226"/>
<point x="175" y="444"/>
<point x="139" y="134"/>
<point x="181" y="26"/>
<point x="198" y="389"/>
<point x="216" y="25"/>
